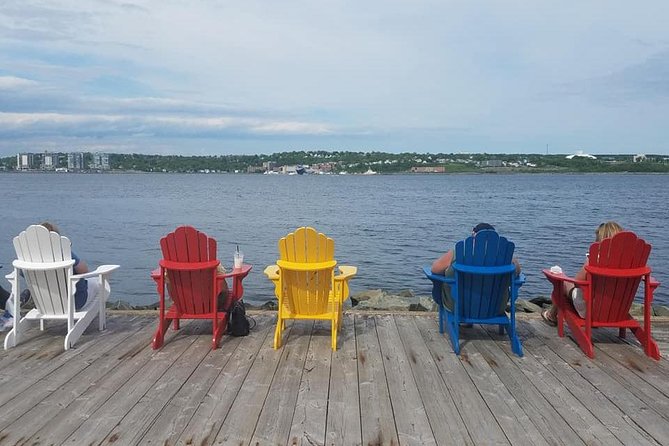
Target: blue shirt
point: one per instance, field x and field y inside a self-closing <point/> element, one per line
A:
<point x="81" y="288"/>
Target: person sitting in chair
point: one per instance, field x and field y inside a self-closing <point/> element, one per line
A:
<point x="572" y="292"/>
<point x="444" y="265"/>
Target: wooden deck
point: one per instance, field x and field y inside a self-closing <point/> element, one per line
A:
<point x="394" y="380"/>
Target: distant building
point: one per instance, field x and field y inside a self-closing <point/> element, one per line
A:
<point x="491" y="163"/>
<point x="100" y="161"/>
<point x="639" y="158"/>
<point x="428" y="169"/>
<point x="26" y="161"/>
<point x="255" y="169"/>
<point x="580" y="154"/>
<point x="49" y="161"/>
<point x="75" y="161"/>
<point x="269" y="166"/>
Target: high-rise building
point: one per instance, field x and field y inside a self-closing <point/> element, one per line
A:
<point x="75" y="161"/>
<point x="25" y="161"/>
<point x="100" y="161"/>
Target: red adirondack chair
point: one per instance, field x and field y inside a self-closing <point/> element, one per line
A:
<point x="190" y="265"/>
<point x="615" y="269"/>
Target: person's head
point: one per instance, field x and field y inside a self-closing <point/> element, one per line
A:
<point x="606" y="230"/>
<point x="482" y="227"/>
<point x="50" y="226"/>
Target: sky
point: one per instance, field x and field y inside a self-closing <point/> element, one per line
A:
<point x="242" y="77"/>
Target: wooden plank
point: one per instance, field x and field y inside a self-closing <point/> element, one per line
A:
<point x="654" y="373"/>
<point x="566" y="360"/>
<point x="506" y="398"/>
<point x="378" y="422"/>
<point x="576" y="414"/>
<point x="72" y="361"/>
<point x="44" y="400"/>
<point x="343" y="413"/>
<point x="653" y="396"/>
<point x="445" y="420"/>
<point x="93" y="425"/>
<point x="174" y="417"/>
<point x="33" y="342"/>
<point x="212" y="411"/>
<point x="310" y="415"/>
<point x="241" y="420"/>
<point x="413" y="426"/>
<point x="481" y="424"/>
<point x="139" y="419"/>
<point x="275" y="419"/>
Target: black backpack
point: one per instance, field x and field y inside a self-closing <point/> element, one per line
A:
<point x="238" y="324"/>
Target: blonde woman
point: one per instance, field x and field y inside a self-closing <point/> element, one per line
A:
<point x="603" y="231"/>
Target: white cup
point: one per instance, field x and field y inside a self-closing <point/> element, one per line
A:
<point x="239" y="259"/>
<point x="556" y="269"/>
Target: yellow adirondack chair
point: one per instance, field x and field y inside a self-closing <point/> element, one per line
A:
<point x="305" y="282"/>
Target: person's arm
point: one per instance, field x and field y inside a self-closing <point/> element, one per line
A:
<point x="79" y="266"/>
<point x="517" y="263"/>
<point x="581" y="275"/>
<point x="443" y="262"/>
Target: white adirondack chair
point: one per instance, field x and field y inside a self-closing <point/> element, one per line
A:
<point x="45" y="258"/>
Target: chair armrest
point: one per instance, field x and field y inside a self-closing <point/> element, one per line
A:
<point x="272" y="272"/>
<point x="240" y="272"/>
<point x="11" y="276"/>
<point x="101" y="270"/>
<point x="346" y="272"/>
<point x="553" y="277"/>
<point x="653" y="282"/>
<point x="520" y="279"/>
<point x="155" y="274"/>
<point x="437" y="277"/>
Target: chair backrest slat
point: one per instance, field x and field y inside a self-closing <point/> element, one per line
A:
<point x="482" y="296"/>
<point x="49" y="288"/>
<point x="191" y="291"/>
<point x="612" y="297"/>
<point x="307" y="292"/>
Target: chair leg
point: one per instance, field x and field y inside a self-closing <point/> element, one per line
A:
<point x="334" y="335"/>
<point x="78" y="329"/>
<point x="650" y="347"/>
<point x="41" y="324"/>
<point x="278" y="333"/>
<point x="516" y="346"/>
<point x="621" y="333"/>
<point x="441" y="318"/>
<point x="582" y="339"/>
<point x="217" y="330"/>
<point x="500" y="329"/>
<point x="175" y="324"/>
<point x="454" y="332"/>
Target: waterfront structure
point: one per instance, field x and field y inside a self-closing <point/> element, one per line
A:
<point x="100" y="161"/>
<point x="75" y="161"/>
<point x="428" y="169"/>
<point x="25" y="161"/>
<point x="581" y="154"/>
<point x="639" y="158"/>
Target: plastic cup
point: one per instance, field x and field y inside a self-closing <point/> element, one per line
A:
<point x="239" y="259"/>
<point x="556" y="269"/>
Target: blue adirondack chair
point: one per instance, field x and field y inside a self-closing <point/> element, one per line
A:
<point x="484" y="273"/>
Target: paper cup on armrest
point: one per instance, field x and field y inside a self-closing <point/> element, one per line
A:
<point x="556" y="269"/>
<point x="238" y="260"/>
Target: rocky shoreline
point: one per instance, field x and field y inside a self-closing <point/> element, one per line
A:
<point x="407" y="300"/>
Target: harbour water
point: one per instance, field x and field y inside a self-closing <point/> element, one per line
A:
<point x="387" y="225"/>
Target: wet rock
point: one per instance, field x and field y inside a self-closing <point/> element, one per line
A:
<point x="423" y="304"/>
<point x="383" y="302"/>
<point x="119" y="305"/>
<point x="406" y="293"/>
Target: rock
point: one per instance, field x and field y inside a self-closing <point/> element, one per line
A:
<point x="270" y="305"/>
<point x="366" y="295"/>
<point x="542" y="301"/>
<point x="527" y="306"/>
<point x="384" y="302"/>
<point x="406" y="293"/>
<point x="423" y="304"/>
<point x="636" y="310"/>
<point x="661" y="310"/>
<point x="119" y="305"/>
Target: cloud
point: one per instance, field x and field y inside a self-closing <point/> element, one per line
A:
<point x="13" y="82"/>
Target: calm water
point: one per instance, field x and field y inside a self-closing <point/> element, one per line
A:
<point x="389" y="226"/>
